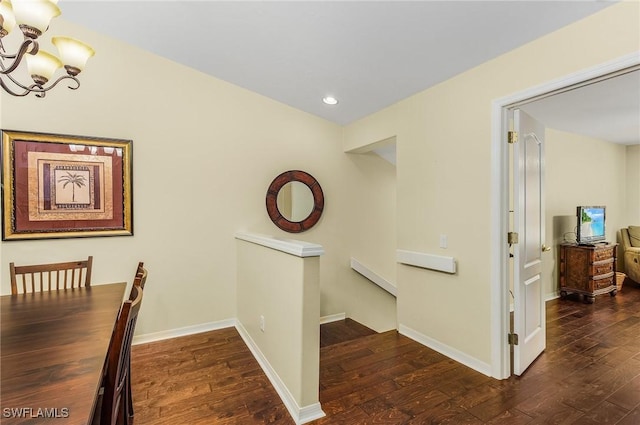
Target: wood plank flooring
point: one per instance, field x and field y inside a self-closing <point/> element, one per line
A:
<point x="589" y="374"/>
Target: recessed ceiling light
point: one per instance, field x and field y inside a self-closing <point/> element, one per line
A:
<point x="330" y="100"/>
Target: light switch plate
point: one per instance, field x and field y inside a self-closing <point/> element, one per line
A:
<point x="443" y="241"/>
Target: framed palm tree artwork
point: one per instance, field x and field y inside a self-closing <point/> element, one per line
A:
<point x="60" y="186"/>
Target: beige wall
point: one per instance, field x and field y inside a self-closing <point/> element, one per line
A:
<point x="580" y="171"/>
<point x="444" y="172"/>
<point x="284" y="289"/>
<point x="204" y="153"/>
<point x="633" y="185"/>
<point x="371" y="235"/>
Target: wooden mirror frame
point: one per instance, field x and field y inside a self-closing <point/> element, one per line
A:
<point x="272" y="204"/>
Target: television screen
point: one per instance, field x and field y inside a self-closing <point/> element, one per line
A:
<point x="591" y="222"/>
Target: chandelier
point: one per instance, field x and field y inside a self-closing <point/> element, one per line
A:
<point x="33" y="18"/>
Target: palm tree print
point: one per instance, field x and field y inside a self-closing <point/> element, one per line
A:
<point x="74" y="180"/>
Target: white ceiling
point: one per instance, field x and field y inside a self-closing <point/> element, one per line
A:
<point x="368" y="54"/>
<point x="608" y="110"/>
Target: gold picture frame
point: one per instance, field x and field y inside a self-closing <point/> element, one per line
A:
<point x="61" y="186"/>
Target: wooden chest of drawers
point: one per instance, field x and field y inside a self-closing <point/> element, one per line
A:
<point x="588" y="270"/>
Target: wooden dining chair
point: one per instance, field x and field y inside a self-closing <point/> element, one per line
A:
<point x="113" y="405"/>
<point x="139" y="280"/>
<point x="50" y="277"/>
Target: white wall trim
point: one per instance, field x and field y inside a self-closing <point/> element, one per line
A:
<point x="290" y="246"/>
<point x="212" y="326"/>
<point x="500" y="301"/>
<point x="374" y="277"/>
<point x="499" y="200"/>
<point x="448" y="351"/>
<point x="299" y="414"/>
<point x="332" y="318"/>
<point x="187" y="330"/>
<point x="552" y="296"/>
<point x="310" y="413"/>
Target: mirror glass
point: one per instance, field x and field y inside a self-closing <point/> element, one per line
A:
<point x="295" y="201"/>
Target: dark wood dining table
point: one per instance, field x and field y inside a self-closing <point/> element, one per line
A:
<point x="53" y="347"/>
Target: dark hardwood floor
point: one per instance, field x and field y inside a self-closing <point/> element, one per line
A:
<point x="589" y="374"/>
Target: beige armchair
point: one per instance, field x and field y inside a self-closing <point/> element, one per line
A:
<point x="630" y="238"/>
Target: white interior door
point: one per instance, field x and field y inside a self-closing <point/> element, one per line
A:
<point x="528" y="221"/>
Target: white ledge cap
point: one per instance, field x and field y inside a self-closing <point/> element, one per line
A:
<point x="426" y="261"/>
<point x="290" y="246"/>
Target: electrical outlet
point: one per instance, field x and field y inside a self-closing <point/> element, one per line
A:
<point x="443" y="241"/>
<point x="262" y="323"/>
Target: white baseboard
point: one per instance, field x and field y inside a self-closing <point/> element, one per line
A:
<point x="332" y="318"/>
<point x="210" y="326"/>
<point x="300" y="415"/>
<point x="552" y="296"/>
<point x="310" y="413"/>
<point x="448" y="351"/>
<point x="187" y="330"/>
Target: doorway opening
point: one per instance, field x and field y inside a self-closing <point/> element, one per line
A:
<point x="501" y="298"/>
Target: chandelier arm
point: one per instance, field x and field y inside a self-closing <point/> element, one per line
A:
<point x="17" y="57"/>
<point x="38" y="89"/>
<point x="16" y="82"/>
<point x="64" y="77"/>
<point x="8" y="90"/>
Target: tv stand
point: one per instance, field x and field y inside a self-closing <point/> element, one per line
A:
<point x="588" y="270"/>
<point x="593" y="243"/>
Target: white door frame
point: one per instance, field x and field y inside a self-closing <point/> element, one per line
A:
<point x="500" y="364"/>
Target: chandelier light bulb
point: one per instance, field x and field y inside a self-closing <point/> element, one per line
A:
<point x="73" y="53"/>
<point x="41" y="66"/>
<point x="33" y="17"/>
<point x="35" y="14"/>
<point x="8" y="21"/>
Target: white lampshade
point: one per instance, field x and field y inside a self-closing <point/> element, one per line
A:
<point x="35" y="13"/>
<point x="73" y="53"/>
<point x="42" y="64"/>
<point x="9" y="19"/>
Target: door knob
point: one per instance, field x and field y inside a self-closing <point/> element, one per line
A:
<point x="546" y="248"/>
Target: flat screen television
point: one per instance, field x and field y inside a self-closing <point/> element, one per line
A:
<point x="591" y="221"/>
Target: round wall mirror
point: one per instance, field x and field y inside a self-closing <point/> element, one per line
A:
<point x="295" y="201"/>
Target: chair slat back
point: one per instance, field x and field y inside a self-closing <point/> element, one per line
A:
<point x="114" y="398"/>
<point x="141" y="275"/>
<point x="140" y="278"/>
<point x="50" y="277"/>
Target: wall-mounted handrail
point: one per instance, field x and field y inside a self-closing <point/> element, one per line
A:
<point x="374" y="277"/>
<point x="427" y="261"/>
